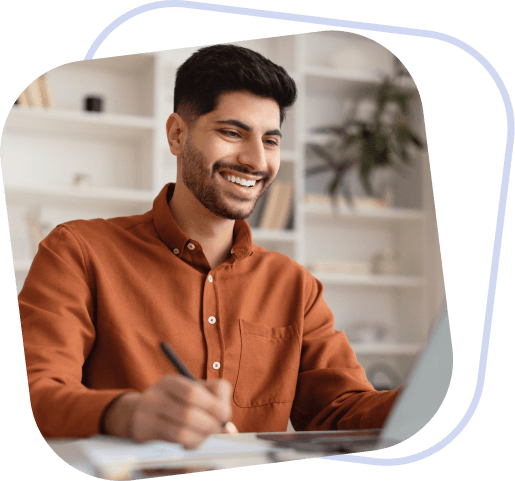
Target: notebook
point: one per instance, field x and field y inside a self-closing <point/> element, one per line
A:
<point x="417" y="403"/>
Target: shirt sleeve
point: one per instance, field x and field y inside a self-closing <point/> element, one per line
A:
<point x="332" y="389"/>
<point x="57" y="311"/>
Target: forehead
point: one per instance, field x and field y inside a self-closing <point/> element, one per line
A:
<point x="256" y="111"/>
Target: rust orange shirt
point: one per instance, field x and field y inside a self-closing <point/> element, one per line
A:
<point x="101" y="294"/>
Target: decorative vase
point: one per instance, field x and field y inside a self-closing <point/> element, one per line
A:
<point x="82" y="180"/>
<point x="384" y="263"/>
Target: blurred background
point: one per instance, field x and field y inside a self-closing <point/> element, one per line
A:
<point x="352" y="202"/>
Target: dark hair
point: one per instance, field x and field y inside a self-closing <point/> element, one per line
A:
<point x="213" y="70"/>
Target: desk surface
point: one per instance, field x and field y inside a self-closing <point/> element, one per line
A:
<point x="78" y="453"/>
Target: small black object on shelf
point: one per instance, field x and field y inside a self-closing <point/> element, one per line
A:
<point x="94" y="104"/>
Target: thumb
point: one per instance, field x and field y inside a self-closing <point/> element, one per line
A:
<point x="222" y="390"/>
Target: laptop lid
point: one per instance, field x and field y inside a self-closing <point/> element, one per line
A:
<point x="426" y="387"/>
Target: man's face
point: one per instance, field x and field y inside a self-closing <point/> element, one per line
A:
<point x="236" y="143"/>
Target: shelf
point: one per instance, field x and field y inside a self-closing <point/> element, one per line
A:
<point x="126" y="64"/>
<point x="276" y="235"/>
<point x="372" y="280"/>
<point x="315" y="212"/>
<point x="65" y="122"/>
<point x="343" y="83"/>
<point x="79" y="195"/>
<point x="387" y="348"/>
<point x="22" y="265"/>
<point x="320" y="72"/>
<point x="348" y="75"/>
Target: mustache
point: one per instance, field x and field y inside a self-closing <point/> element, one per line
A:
<point x="240" y="168"/>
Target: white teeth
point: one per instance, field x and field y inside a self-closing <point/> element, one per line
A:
<point x="242" y="182"/>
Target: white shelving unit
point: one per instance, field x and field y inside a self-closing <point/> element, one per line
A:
<point x="123" y="151"/>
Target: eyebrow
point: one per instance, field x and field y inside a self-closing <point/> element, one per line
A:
<point x="241" y="125"/>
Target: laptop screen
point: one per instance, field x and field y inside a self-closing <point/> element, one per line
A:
<point x="426" y="387"/>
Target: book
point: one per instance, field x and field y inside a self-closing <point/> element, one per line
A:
<point x="37" y="94"/>
<point x="282" y="212"/>
<point x="272" y="202"/>
<point x="23" y="99"/>
<point x="254" y="219"/>
<point x="34" y="93"/>
<point x="45" y="91"/>
<point x="113" y="457"/>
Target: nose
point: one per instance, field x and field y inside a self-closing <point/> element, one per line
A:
<point x="253" y="155"/>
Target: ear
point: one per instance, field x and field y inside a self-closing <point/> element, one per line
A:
<point x="176" y="131"/>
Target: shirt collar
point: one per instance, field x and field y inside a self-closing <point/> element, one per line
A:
<point x="176" y="239"/>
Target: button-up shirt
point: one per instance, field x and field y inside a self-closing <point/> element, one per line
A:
<point x="101" y="295"/>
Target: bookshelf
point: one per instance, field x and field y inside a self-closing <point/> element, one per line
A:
<point x="123" y="152"/>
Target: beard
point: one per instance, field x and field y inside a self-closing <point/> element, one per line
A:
<point x="201" y="182"/>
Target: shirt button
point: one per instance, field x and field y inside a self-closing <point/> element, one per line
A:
<point x="191" y="246"/>
<point x="176" y="251"/>
<point x="210" y="278"/>
<point x="216" y="365"/>
<point x="211" y="320"/>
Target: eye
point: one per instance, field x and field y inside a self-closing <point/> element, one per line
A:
<point x="272" y="142"/>
<point x="230" y="133"/>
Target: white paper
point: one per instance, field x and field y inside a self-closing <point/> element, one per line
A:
<point x="104" y="451"/>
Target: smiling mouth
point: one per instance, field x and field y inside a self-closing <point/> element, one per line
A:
<point x="240" y="181"/>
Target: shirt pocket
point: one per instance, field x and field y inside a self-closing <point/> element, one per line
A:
<point x="269" y="364"/>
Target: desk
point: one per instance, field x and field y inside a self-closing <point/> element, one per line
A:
<point x="80" y="454"/>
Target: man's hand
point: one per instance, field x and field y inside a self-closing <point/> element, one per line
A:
<point x="174" y="409"/>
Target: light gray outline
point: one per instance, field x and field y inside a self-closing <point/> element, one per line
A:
<point x="502" y="198"/>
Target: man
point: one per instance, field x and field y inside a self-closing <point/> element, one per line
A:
<point x="251" y="324"/>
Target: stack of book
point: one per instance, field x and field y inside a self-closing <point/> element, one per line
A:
<point x="277" y="206"/>
<point x="37" y="94"/>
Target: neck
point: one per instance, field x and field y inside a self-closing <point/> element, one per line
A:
<point x="214" y="233"/>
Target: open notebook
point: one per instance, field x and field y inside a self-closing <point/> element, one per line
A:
<point x="415" y="406"/>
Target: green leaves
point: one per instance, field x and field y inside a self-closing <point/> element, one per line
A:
<point x="371" y="145"/>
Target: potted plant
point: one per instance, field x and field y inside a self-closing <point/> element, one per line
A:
<point x="384" y="140"/>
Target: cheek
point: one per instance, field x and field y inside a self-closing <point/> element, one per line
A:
<point x="273" y="165"/>
<point x="216" y="149"/>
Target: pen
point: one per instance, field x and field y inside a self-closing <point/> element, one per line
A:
<point x="181" y="367"/>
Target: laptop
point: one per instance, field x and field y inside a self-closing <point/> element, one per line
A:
<point x="417" y="403"/>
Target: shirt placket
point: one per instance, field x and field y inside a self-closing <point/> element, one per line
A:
<point x="212" y="332"/>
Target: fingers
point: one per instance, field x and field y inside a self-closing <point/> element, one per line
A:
<point x="149" y="428"/>
<point x="180" y="410"/>
<point x="213" y="397"/>
<point x="222" y="390"/>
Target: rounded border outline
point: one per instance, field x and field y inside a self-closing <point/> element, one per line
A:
<point x="502" y="198"/>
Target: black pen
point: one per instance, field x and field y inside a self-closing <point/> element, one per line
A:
<point x="181" y="367"/>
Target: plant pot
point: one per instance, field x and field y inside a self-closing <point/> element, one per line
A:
<point x="382" y="181"/>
